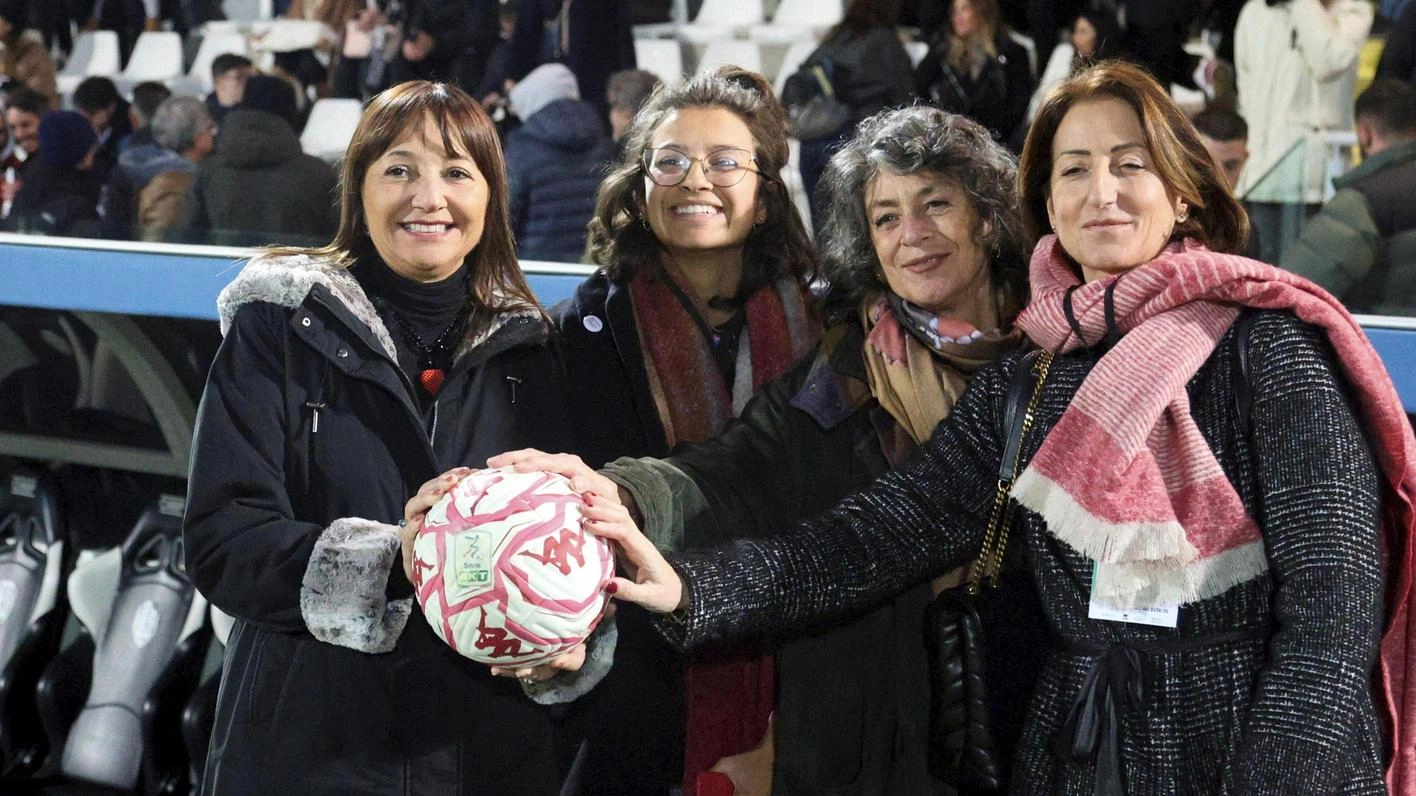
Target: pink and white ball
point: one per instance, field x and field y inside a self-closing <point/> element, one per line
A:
<point x="504" y="572"/>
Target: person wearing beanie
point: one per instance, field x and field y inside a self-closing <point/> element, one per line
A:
<point x="60" y="193"/>
<point x="555" y="161"/>
<point x="258" y="155"/>
<point x="23" y="59"/>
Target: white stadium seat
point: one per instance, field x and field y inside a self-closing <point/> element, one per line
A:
<point x="663" y="57"/>
<point x="730" y="51"/>
<point x="799" y="19"/>
<point x="95" y="53"/>
<point x="157" y="55"/>
<point x="330" y="128"/>
<point x="721" y="18"/>
<point x="248" y="10"/>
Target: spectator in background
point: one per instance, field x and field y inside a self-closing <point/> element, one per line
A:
<point x="184" y="127"/>
<point x="23" y="59"/>
<point x="139" y="158"/>
<point x="1094" y="37"/>
<point x="873" y="71"/>
<point x="1296" y="62"/>
<point x="593" y="39"/>
<point x="626" y="92"/>
<point x="482" y="19"/>
<point x="24" y="107"/>
<point x="97" y="98"/>
<point x="554" y="163"/>
<point x="1362" y="245"/>
<point x="434" y="36"/>
<point x="1399" y="55"/>
<point x="258" y="187"/>
<point x="973" y="68"/>
<point x="60" y="192"/>
<point x="229" y="73"/>
<point x="1225" y="135"/>
<point x="304" y="65"/>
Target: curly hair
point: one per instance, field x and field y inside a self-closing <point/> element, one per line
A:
<point x="622" y="242"/>
<point x="915" y="140"/>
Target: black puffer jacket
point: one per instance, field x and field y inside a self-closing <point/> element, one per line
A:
<point x="554" y="165"/>
<point x="258" y="187"/>
<point x="308" y="442"/>
<point x="997" y="98"/>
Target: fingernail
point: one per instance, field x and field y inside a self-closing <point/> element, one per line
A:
<point x="611" y="587"/>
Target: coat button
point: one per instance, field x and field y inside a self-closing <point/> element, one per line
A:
<point x="304" y="321"/>
<point x="342" y="353"/>
<point x="593" y="323"/>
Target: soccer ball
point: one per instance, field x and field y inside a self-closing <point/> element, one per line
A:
<point x="503" y="571"/>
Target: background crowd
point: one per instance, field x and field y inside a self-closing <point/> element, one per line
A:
<point x="562" y="83"/>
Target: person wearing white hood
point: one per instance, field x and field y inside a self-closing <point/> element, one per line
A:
<point x="555" y="161"/>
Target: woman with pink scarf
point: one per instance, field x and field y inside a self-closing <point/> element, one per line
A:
<point x="1214" y="483"/>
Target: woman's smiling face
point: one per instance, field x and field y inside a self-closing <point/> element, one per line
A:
<point x="696" y="215"/>
<point x="1111" y="210"/>
<point x="425" y="207"/>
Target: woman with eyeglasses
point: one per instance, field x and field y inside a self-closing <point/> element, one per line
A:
<point x="701" y="299"/>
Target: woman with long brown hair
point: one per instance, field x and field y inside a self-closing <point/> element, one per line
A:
<point x="350" y="374"/>
<point x="974" y="68"/>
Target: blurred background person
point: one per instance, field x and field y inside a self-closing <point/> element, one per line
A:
<point x="974" y="68"/>
<point x="303" y="64"/>
<point x="1093" y="36"/>
<point x="184" y="126"/>
<point x="1225" y="135"/>
<point x="554" y="163"/>
<point x="258" y="187"/>
<point x="97" y="98"/>
<point x="60" y="192"/>
<point x="1362" y="245"/>
<point x="872" y="71"/>
<point x="593" y="39"/>
<point x="626" y="92"/>
<point x="23" y="59"/>
<point x="1296" y="65"/>
<point x="140" y="156"/>
<point x="24" y="107"/>
<point x="229" y="73"/>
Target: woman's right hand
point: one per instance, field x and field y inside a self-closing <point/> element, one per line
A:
<point x="583" y="478"/>
<point x="652" y="583"/>
<point x="417" y="508"/>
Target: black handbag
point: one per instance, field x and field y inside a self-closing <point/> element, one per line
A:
<point x="961" y="749"/>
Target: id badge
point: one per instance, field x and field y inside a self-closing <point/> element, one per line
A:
<point x="1155" y="616"/>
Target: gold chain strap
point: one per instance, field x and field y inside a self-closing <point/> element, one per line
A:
<point x="995" y="538"/>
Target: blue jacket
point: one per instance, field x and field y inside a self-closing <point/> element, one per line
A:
<point x="555" y="162"/>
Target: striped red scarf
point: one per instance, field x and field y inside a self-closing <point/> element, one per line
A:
<point x="730" y="691"/>
<point x="1125" y="476"/>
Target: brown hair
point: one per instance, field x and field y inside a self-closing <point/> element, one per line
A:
<point x="621" y="241"/>
<point x="990" y="23"/>
<point x="1184" y="165"/>
<point x="496" y="280"/>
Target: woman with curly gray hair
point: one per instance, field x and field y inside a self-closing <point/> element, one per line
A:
<point x="925" y="251"/>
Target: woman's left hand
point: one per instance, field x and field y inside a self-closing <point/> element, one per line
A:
<point x="417" y="508"/>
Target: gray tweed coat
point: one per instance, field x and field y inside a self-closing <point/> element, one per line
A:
<point x="1282" y="706"/>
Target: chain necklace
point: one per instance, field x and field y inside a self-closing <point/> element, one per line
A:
<point x="430" y="376"/>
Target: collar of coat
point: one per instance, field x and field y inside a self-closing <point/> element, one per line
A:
<point x="287" y="279"/>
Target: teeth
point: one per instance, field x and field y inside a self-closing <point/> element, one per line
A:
<point x="425" y="227"/>
<point x="695" y="210"/>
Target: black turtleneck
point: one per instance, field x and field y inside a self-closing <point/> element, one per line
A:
<point x="427" y="307"/>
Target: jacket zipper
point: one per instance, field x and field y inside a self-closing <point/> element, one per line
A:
<point x="433" y="431"/>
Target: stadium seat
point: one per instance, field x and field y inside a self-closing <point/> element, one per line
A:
<point x="917" y="51"/>
<point x="147" y="622"/>
<point x="32" y="561"/>
<point x="663" y="57"/>
<point x="730" y="51"/>
<point x="95" y="53"/>
<point x="719" y="19"/>
<point x="197" y="81"/>
<point x="330" y="127"/>
<point x="798" y="19"/>
<point x="157" y="55"/>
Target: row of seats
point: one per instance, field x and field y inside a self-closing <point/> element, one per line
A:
<point x="718" y="19"/>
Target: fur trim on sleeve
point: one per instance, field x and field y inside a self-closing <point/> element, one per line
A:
<point x="570" y="686"/>
<point x="342" y="596"/>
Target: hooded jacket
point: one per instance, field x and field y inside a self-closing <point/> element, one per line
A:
<point x="258" y="187"/>
<point x="309" y="440"/>
<point x="555" y="162"/>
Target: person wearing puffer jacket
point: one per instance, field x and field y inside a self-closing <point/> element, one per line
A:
<point x="555" y="162"/>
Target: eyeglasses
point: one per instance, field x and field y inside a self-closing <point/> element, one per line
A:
<point x="724" y="168"/>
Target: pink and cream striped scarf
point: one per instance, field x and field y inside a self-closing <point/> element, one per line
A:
<point x="1125" y="477"/>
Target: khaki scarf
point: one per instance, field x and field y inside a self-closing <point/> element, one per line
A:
<point x="917" y="368"/>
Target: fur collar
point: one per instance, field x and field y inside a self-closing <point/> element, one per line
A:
<point x="286" y="280"/>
